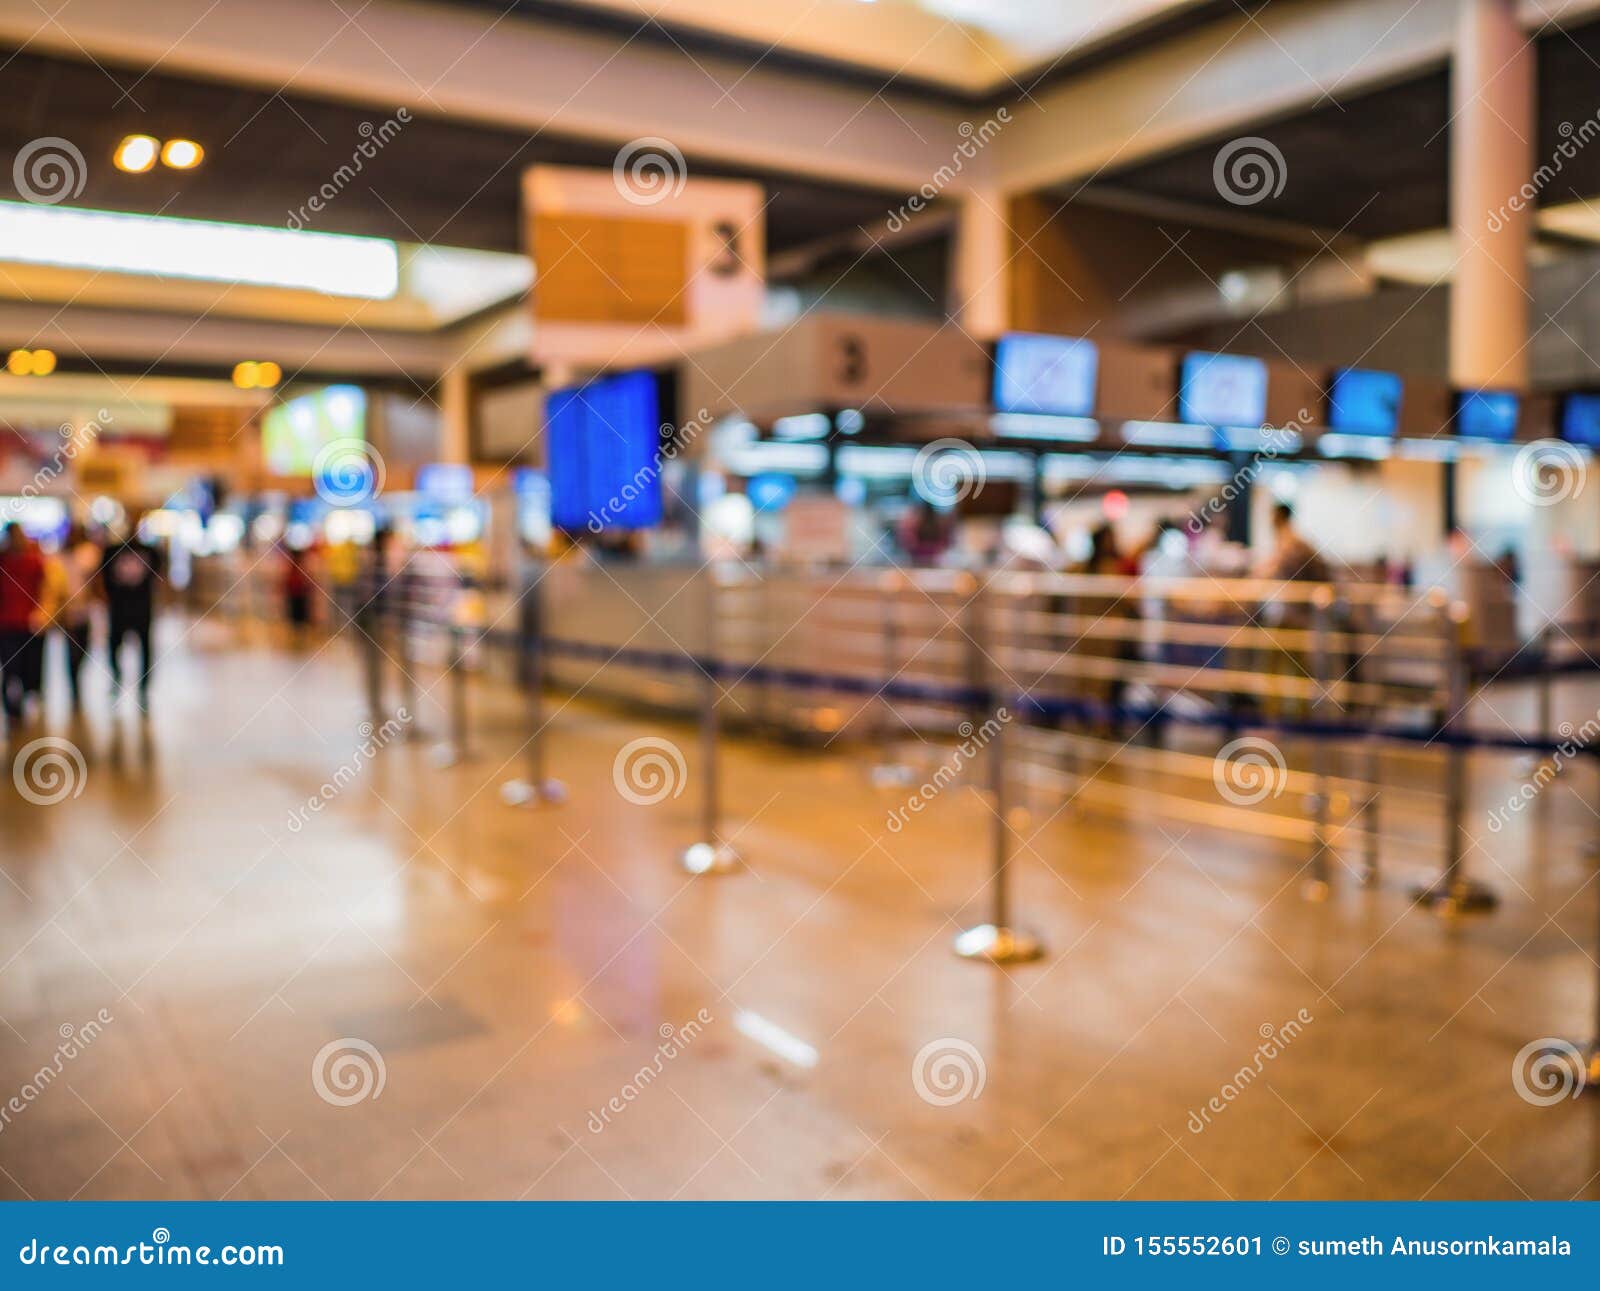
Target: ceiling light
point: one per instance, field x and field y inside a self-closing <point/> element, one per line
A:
<point x="31" y="363"/>
<point x="181" y="154"/>
<point x="137" y="153"/>
<point x="337" y="264"/>
<point x="251" y="375"/>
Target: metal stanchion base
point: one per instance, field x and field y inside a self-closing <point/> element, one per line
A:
<point x="997" y="945"/>
<point x="710" y="858"/>
<point x="525" y="793"/>
<point x="1315" y="890"/>
<point x="448" y="755"/>
<point x="1448" y="899"/>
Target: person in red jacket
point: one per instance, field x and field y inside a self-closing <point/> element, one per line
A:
<point x="22" y="617"/>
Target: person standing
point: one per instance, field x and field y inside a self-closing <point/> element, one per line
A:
<point x="297" y="587"/>
<point x="77" y="562"/>
<point x="130" y="572"/>
<point x="21" y="618"/>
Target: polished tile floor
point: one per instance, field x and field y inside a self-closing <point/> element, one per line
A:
<point x="211" y="989"/>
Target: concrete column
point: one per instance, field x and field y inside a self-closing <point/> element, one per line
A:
<point x="1491" y="159"/>
<point x="981" y="273"/>
<point x="455" y="415"/>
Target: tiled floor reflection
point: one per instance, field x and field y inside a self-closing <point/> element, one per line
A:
<point x="529" y="985"/>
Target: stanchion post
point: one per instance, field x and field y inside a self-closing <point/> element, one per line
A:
<point x="1317" y="887"/>
<point x="456" y="749"/>
<point x="405" y="658"/>
<point x="889" y="772"/>
<point x="709" y="854"/>
<point x="996" y="942"/>
<point x="537" y="789"/>
<point x="1453" y="893"/>
<point x="371" y="625"/>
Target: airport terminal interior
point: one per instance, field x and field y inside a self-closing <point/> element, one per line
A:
<point x="824" y="599"/>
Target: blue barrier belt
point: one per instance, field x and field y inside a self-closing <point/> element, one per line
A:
<point x="987" y="698"/>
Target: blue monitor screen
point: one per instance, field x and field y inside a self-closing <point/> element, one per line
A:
<point x="1222" y="390"/>
<point x="445" y="483"/>
<point x="1486" y="414"/>
<point x="603" y="440"/>
<point x="1580" y="419"/>
<point x="1364" y="402"/>
<point x="1052" y="375"/>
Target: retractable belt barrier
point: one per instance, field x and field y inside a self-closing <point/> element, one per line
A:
<point x="1084" y="688"/>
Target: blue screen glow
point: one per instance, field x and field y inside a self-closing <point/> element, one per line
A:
<point x="1051" y="375"/>
<point x="1486" y="414"/>
<point x="1364" y="402"/>
<point x="1222" y="390"/>
<point x="603" y="440"/>
<point x="1580" y="419"/>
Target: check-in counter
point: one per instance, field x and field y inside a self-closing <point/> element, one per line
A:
<point x="798" y="649"/>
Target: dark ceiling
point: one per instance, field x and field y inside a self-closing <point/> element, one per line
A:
<point x="1377" y="164"/>
<point x="436" y="180"/>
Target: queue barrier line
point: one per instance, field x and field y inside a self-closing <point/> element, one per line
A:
<point x="759" y="615"/>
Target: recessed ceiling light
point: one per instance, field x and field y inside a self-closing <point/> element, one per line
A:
<point x="181" y="154"/>
<point x="137" y="153"/>
<point x="44" y="362"/>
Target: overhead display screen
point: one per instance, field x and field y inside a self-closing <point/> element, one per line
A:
<point x="293" y="433"/>
<point x="1363" y="401"/>
<point x="1486" y="414"/>
<point x="1222" y="390"/>
<point x="1050" y="375"/>
<point x="1580" y="419"/>
<point x="603" y="441"/>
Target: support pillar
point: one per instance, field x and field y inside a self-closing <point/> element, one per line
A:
<point x="981" y="273"/>
<point x="1491" y="159"/>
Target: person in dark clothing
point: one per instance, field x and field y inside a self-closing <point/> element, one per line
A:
<point x="130" y="572"/>
<point x="377" y="591"/>
<point x="21" y="618"/>
<point x="297" y="588"/>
